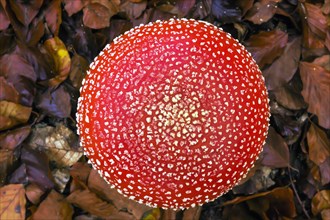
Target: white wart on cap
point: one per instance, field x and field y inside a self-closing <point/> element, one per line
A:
<point x="173" y="113"/>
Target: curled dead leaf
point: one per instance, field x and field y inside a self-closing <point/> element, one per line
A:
<point x="57" y="49"/>
<point x="59" y="143"/>
<point x="12" y="114"/>
<point x="61" y="178"/>
<point x="59" y="146"/>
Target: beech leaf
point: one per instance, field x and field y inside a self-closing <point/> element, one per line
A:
<point x="281" y="198"/>
<point x="262" y="11"/>
<point x="12" y="114"/>
<point x="79" y="67"/>
<point x="25" y="11"/>
<point x="321" y="201"/>
<point x="4" y="21"/>
<point x="53" y="16"/>
<point x="12" y="202"/>
<point x="319" y="144"/>
<point x="97" y="15"/>
<point x="98" y="185"/>
<point x="13" y="138"/>
<point x="283" y="68"/>
<point x="72" y="7"/>
<point x="56" y="206"/>
<point x="89" y="202"/>
<point x="60" y="144"/>
<point x="8" y="91"/>
<point x="57" y="49"/>
<point x="20" y="73"/>
<point x="266" y="46"/>
<point x="226" y="11"/>
<point x="276" y="151"/>
<point x="34" y="169"/>
<point x="317" y="21"/>
<point x="316" y="90"/>
<point x="55" y="102"/>
<point x="6" y="162"/>
<point x="184" y="6"/>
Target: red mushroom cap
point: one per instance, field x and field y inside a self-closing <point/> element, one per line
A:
<point x="173" y="113"/>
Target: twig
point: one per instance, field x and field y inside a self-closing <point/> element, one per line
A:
<point x="297" y="195"/>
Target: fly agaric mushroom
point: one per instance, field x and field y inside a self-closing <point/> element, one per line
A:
<point x="173" y="113"/>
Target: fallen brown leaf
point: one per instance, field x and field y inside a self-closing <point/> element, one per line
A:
<point x="317" y="21"/>
<point x="80" y="171"/>
<point x="89" y="202"/>
<point x="318" y="143"/>
<point x="289" y="97"/>
<point x="57" y="49"/>
<point x="8" y="91"/>
<point x="34" y="168"/>
<point x="61" y="178"/>
<point x="283" y="68"/>
<point x="192" y="213"/>
<point x="13" y="138"/>
<point x="53" y="16"/>
<point x="18" y="71"/>
<point x="55" y="102"/>
<point x="4" y="21"/>
<point x="262" y="11"/>
<point x="59" y="143"/>
<point x="133" y="10"/>
<point x="55" y="206"/>
<point x="321" y="201"/>
<point x="79" y="66"/>
<point x="103" y="189"/>
<point x="72" y="7"/>
<point x="34" y="193"/>
<point x="12" y="202"/>
<point x="265" y="47"/>
<point x="97" y="13"/>
<point x="316" y="81"/>
<point x="12" y="114"/>
<point x="280" y="199"/>
<point x="276" y="151"/>
<point x="6" y="162"/>
<point x="25" y="12"/>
